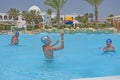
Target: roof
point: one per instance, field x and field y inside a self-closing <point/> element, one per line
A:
<point x="34" y="7"/>
<point x="118" y="16"/>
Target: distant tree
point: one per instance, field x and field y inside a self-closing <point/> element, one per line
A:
<point x="111" y="15"/>
<point x="91" y="16"/>
<point x="79" y="18"/>
<point x="49" y="11"/>
<point x="13" y="13"/>
<point x="95" y="4"/>
<point x="84" y="18"/>
<point x="27" y="17"/>
<point x="31" y="17"/>
<point x="57" y="5"/>
<point x="110" y="19"/>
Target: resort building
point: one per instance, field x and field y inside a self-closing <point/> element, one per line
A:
<point x="116" y="21"/>
<point x="4" y="17"/>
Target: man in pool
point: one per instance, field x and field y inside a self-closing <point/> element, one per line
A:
<point x="108" y="46"/>
<point x="15" y="40"/>
<point x="48" y="48"/>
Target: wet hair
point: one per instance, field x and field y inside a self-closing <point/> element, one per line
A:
<point x="109" y="40"/>
<point x="44" y="39"/>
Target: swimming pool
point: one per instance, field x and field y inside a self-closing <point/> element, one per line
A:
<point x="81" y="58"/>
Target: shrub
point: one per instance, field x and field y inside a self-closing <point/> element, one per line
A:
<point x="68" y="26"/>
<point x="104" y="25"/>
<point x="31" y="27"/>
<point x="5" y="27"/>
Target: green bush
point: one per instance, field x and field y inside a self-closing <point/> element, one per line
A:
<point x="100" y="25"/>
<point x="104" y="25"/>
<point x="68" y="26"/>
<point x="46" y="27"/>
<point x="5" y="27"/>
<point x="29" y="28"/>
<point x="62" y="26"/>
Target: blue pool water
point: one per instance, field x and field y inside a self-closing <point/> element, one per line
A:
<point x="81" y="58"/>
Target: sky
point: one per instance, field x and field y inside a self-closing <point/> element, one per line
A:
<point x="72" y="6"/>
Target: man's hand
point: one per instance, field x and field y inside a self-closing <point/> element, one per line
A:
<point x="57" y="41"/>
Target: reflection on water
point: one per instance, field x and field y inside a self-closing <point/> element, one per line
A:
<point x="48" y="64"/>
<point x="108" y="52"/>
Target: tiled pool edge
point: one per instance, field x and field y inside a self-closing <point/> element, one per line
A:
<point x="100" y="78"/>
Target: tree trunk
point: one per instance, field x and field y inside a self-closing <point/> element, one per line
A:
<point x="96" y="17"/>
<point x="33" y="26"/>
<point x="58" y="18"/>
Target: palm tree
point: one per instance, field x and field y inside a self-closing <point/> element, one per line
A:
<point x="110" y="19"/>
<point x="111" y="15"/>
<point x="95" y="4"/>
<point x="78" y="18"/>
<point x="27" y="17"/>
<point x="86" y="17"/>
<point x="31" y="17"/>
<point x="91" y="16"/>
<point x="49" y="11"/>
<point x="14" y="13"/>
<point x="57" y="5"/>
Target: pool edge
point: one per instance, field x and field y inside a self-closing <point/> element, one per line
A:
<point x="100" y="78"/>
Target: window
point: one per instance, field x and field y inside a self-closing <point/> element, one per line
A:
<point x="0" y="17"/>
<point x="5" y="17"/>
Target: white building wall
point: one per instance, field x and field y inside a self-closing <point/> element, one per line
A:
<point x="20" y="22"/>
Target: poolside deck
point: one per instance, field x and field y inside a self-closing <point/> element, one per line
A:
<point x="101" y="78"/>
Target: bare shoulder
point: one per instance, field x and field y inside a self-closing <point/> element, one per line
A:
<point x="112" y="46"/>
<point x="47" y="47"/>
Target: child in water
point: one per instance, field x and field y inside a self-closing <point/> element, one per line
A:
<point x="108" y="46"/>
<point x="48" y="48"/>
<point x="14" y="40"/>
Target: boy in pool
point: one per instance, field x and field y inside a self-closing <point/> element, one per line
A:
<point x="108" y="46"/>
<point x="15" y="40"/>
<point x="48" y="48"/>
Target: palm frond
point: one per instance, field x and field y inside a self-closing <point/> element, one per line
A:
<point x="94" y="2"/>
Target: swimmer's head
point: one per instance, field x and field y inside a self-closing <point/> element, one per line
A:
<point x="108" y="41"/>
<point x="17" y="33"/>
<point x="46" y="40"/>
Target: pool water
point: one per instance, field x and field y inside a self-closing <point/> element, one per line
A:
<point x="80" y="58"/>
